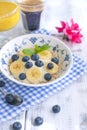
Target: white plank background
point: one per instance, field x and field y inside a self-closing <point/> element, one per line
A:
<point x="73" y="100"/>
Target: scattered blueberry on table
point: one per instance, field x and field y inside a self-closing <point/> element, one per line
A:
<point x="17" y="125"/>
<point x="56" y="108"/>
<point x="9" y="98"/>
<point x="38" y="121"/>
<point x="2" y="83"/>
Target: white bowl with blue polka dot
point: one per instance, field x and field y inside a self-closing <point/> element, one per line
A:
<point x="15" y="45"/>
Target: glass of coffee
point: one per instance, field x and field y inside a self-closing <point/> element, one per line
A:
<point x="31" y="11"/>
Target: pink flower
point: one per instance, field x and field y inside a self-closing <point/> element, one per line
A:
<point x="71" y="32"/>
<point x="76" y="37"/>
<point x="60" y="29"/>
<point x="74" y="26"/>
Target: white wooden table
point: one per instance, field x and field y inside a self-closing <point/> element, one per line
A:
<point x="73" y="99"/>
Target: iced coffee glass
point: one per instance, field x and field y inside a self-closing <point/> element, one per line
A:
<point x="31" y="11"/>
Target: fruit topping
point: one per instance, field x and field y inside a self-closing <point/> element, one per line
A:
<point x="28" y="65"/>
<point x="39" y="63"/>
<point x="55" y="60"/>
<point x="34" y="57"/>
<point x="50" y="65"/>
<point x="15" y="57"/>
<point x="34" y="74"/>
<point x="16" y="67"/>
<point x="47" y="76"/>
<point x="22" y="76"/>
<point x="36" y="64"/>
<point x="25" y="58"/>
<point x="45" y="55"/>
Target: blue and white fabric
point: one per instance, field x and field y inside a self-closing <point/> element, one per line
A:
<point x="33" y="96"/>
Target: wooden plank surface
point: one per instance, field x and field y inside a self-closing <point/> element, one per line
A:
<point x="72" y="100"/>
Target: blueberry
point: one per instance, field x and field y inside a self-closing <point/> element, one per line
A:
<point x="28" y="65"/>
<point x="39" y="63"/>
<point x="55" y="60"/>
<point x="10" y="98"/>
<point x="22" y="76"/>
<point x="17" y="125"/>
<point x="2" y="83"/>
<point x="38" y="121"/>
<point x="25" y="58"/>
<point x="56" y="108"/>
<point x="34" y="57"/>
<point x="50" y="65"/>
<point x="48" y="76"/>
<point x="15" y="57"/>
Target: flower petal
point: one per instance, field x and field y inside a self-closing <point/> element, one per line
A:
<point x="74" y="26"/>
<point x="63" y="24"/>
<point x="59" y="29"/>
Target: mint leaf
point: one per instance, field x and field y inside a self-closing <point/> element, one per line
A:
<point x="28" y="51"/>
<point x="37" y="48"/>
<point x="41" y="48"/>
<point x="45" y="47"/>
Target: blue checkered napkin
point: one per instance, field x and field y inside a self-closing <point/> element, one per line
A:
<point x="32" y="96"/>
<point x="42" y="31"/>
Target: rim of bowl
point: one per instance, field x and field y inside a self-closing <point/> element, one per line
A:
<point x="43" y="84"/>
<point x="10" y="13"/>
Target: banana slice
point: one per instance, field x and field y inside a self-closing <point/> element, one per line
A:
<point x="51" y="70"/>
<point x="34" y="75"/>
<point x="21" y="53"/>
<point x="45" y="55"/>
<point x="16" y="67"/>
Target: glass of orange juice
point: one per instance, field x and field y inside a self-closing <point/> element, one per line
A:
<point x="9" y="15"/>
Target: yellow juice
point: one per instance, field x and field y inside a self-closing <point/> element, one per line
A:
<point x="9" y="15"/>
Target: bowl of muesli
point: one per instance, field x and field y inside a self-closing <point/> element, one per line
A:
<point x="35" y="60"/>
